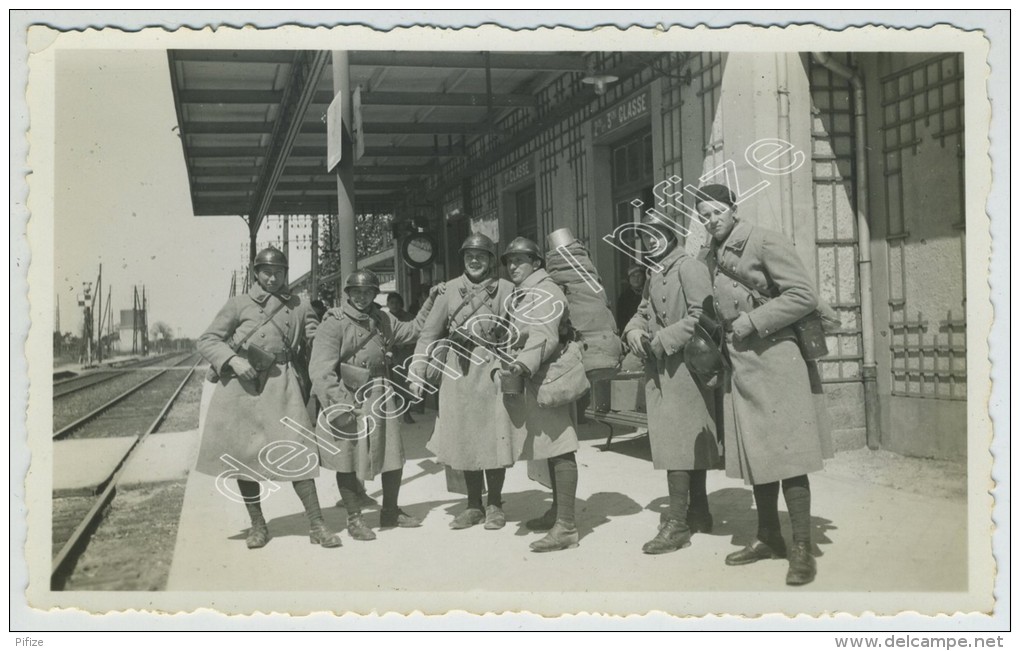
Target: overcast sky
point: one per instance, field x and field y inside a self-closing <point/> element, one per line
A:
<point x="122" y="196"/>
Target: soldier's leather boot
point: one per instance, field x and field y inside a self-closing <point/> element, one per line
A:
<point x="258" y="535"/>
<point x="673" y="535"/>
<point x="494" y="517"/>
<point x="544" y="522"/>
<point x="398" y="519"/>
<point x="468" y="518"/>
<point x="319" y="534"/>
<point x="560" y="536"/>
<point x="700" y="521"/>
<point x="759" y="551"/>
<point x="802" y="565"/>
<point x="358" y="529"/>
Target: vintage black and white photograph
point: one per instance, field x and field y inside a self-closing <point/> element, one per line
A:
<point x="692" y="321"/>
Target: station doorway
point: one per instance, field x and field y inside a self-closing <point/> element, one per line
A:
<point x="632" y="180"/>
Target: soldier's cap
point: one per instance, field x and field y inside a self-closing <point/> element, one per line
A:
<point x="635" y="269"/>
<point x="715" y="192"/>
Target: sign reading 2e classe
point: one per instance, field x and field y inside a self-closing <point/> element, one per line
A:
<point x="626" y="112"/>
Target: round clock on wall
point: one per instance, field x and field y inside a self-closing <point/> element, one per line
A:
<point x="419" y="250"/>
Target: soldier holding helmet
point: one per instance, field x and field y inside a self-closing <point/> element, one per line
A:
<point x="360" y="424"/>
<point x="773" y="431"/>
<point x="473" y="432"/>
<point x="681" y="408"/>
<point x="254" y="346"/>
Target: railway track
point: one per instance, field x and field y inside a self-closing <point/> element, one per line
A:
<point x="73" y="531"/>
<point x="74" y="384"/>
<point x="110" y="418"/>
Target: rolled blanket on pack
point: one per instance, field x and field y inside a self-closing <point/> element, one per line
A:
<point x="589" y="309"/>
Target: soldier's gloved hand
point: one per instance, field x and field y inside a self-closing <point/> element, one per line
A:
<point x="437" y="289"/>
<point x="242" y="368"/>
<point x="634" y="342"/>
<point x="742" y="326"/>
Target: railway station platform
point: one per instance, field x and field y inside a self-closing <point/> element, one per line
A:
<point x="868" y="537"/>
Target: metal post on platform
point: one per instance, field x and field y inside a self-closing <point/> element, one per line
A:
<point x="345" y="172"/>
<point x="314" y="270"/>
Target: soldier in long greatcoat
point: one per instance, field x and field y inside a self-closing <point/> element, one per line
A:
<point x="359" y="426"/>
<point x="772" y="429"/>
<point x="255" y="349"/>
<point x="550" y="432"/>
<point x="473" y="432"/>
<point x="681" y="410"/>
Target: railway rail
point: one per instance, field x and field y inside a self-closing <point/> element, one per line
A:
<point x="70" y="550"/>
<point x="77" y="383"/>
<point x="113" y="409"/>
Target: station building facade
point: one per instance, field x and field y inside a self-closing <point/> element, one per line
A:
<point x="877" y="142"/>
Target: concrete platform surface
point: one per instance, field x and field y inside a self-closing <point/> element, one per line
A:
<point x="79" y="465"/>
<point x="162" y="457"/>
<point x="868" y="538"/>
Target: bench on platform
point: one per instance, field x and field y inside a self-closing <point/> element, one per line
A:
<point x="610" y="418"/>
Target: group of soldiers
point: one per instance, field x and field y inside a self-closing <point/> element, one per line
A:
<point x="258" y="345"/>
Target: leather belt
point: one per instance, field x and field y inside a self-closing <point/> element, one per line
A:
<point x="282" y="358"/>
<point x="376" y="370"/>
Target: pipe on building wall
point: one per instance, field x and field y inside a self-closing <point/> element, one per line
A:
<point x="869" y="367"/>
<point x="783" y="100"/>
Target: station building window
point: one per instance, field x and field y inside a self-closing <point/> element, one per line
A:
<point x="526" y="214"/>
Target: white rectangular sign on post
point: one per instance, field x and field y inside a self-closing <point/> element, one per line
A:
<point x="334" y="132"/>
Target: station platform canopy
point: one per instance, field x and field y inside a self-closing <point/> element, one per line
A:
<point x="253" y="122"/>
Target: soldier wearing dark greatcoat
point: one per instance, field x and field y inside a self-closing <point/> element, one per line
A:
<point x="473" y="432"/>
<point x="359" y="427"/>
<point x="773" y="433"/>
<point x="255" y="349"/>
<point x="681" y="410"/>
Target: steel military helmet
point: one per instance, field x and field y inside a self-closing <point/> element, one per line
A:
<point x="660" y="222"/>
<point x="703" y="357"/>
<point x="479" y="242"/>
<point x="522" y="245"/>
<point x="362" y="278"/>
<point x="271" y="256"/>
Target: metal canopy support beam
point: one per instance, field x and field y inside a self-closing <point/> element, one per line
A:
<point x="446" y="99"/>
<point x="243" y="97"/>
<point x="428" y="128"/>
<point x="393" y="170"/>
<point x="253" y="152"/>
<point x="560" y="62"/>
<point x="414" y="152"/>
<point x="282" y="186"/>
<point x="382" y="185"/>
<point x="304" y="78"/>
<point x="250" y="170"/>
<point x="222" y="127"/>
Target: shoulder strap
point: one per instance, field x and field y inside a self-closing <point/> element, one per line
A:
<point x="758" y="297"/>
<point x="269" y="317"/>
<point x="343" y="318"/>
<point x="470" y="299"/>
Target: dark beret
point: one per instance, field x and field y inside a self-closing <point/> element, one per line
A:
<point x="716" y="192"/>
